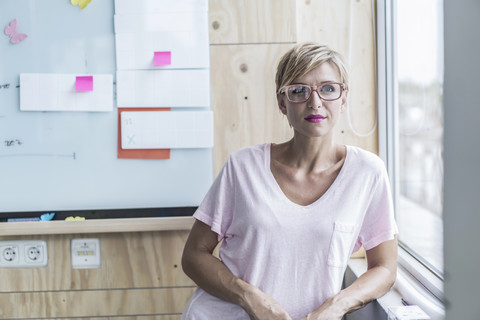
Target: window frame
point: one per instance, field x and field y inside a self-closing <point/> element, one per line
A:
<point x="388" y="139"/>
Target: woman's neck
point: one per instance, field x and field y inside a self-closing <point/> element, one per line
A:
<point x="310" y="154"/>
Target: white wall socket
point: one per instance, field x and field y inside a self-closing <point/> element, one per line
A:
<point x="85" y="253"/>
<point x="23" y="254"/>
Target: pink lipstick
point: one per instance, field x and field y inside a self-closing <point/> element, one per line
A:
<point x="315" y="118"/>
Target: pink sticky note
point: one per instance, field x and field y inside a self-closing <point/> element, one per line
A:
<point x="84" y="83"/>
<point x="162" y="58"/>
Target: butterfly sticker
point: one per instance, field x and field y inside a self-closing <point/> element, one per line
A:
<point x="11" y="31"/>
<point x="81" y="3"/>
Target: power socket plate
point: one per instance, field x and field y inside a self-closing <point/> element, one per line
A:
<point x="23" y="254"/>
<point x="85" y="253"/>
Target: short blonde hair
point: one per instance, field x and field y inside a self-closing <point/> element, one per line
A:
<point x="305" y="57"/>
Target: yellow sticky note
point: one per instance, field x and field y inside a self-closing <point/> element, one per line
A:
<point x="81" y="3"/>
<point x="77" y="218"/>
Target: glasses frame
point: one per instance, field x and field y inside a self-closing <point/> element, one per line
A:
<point x="312" y="89"/>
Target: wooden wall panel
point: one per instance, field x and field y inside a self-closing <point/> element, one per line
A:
<point x="140" y="274"/>
<point x="243" y="101"/>
<point x="129" y="260"/>
<point x="347" y="26"/>
<point x="324" y="21"/>
<point x="251" y="21"/>
<point x="242" y="76"/>
<point x="94" y="303"/>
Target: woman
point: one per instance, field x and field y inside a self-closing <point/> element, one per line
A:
<point x="291" y="214"/>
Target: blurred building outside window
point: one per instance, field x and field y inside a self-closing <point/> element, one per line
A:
<point x="418" y="58"/>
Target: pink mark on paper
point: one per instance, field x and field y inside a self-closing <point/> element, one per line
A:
<point x="11" y="31"/>
<point x="84" y="83"/>
<point x="162" y="58"/>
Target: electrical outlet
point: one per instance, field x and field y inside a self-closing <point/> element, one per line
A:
<point x="9" y="254"/>
<point x="23" y="254"/>
<point x="85" y="253"/>
<point x="33" y="253"/>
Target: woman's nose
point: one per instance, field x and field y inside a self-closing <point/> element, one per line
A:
<point x="315" y="101"/>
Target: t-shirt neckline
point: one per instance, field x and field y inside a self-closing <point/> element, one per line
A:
<point x="271" y="177"/>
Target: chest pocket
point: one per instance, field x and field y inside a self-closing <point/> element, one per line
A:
<point x="340" y="244"/>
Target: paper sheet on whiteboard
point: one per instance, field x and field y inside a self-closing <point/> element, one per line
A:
<point x="190" y="49"/>
<point x="56" y="92"/>
<point x="163" y="88"/>
<point x="173" y="129"/>
<point x="155" y="6"/>
<point x="139" y="153"/>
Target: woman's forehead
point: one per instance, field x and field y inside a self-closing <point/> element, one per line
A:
<point x="326" y="71"/>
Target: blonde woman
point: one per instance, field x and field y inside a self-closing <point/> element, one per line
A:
<point x="291" y="214"/>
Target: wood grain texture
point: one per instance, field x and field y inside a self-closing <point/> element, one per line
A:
<point x="129" y="260"/>
<point x="347" y="27"/>
<point x="94" y="303"/>
<point x="140" y="274"/>
<point x="96" y="226"/>
<point x="251" y="21"/>
<point x="242" y="77"/>
<point x="244" y="102"/>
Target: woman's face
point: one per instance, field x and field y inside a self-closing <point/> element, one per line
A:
<point x="314" y="117"/>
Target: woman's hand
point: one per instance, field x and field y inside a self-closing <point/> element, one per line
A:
<point x="260" y="306"/>
<point x="327" y="311"/>
<point x="379" y="278"/>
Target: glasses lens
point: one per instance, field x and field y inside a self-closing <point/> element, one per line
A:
<point x="330" y="91"/>
<point x="298" y="93"/>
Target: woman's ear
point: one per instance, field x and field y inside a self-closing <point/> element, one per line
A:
<point x="281" y="103"/>
<point x="343" y="106"/>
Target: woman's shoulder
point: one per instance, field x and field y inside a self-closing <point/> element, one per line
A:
<point x="249" y="153"/>
<point x="367" y="160"/>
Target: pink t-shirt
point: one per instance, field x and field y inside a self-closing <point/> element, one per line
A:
<point x="296" y="254"/>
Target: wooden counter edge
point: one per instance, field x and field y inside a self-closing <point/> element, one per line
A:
<point x="96" y="226"/>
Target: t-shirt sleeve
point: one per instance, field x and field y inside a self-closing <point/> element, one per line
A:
<point x="217" y="208"/>
<point x="379" y="222"/>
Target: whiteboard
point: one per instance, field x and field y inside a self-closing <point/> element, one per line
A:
<point x="68" y="160"/>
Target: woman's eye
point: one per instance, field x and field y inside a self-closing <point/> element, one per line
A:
<point x="299" y="90"/>
<point x="328" y="88"/>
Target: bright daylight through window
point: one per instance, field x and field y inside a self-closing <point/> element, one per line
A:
<point x="419" y="129"/>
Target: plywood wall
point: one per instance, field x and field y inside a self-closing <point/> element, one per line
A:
<point x="141" y="277"/>
<point x="248" y="38"/>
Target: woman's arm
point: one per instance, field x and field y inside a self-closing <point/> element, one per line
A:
<point x="214" y="277"/>
<point x="379" y="278"/>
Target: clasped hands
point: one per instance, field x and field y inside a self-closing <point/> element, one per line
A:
<point x="260" y="306"/>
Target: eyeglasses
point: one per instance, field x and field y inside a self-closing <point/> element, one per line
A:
<point x="328" y="91"/>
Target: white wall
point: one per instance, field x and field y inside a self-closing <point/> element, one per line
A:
<point x="462" y="158"/>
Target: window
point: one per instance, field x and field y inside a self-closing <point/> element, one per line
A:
<point x="418" y="53"/>
<point x="412" y="70"/>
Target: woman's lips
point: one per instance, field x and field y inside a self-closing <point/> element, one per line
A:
<point x="315" y="118"/>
